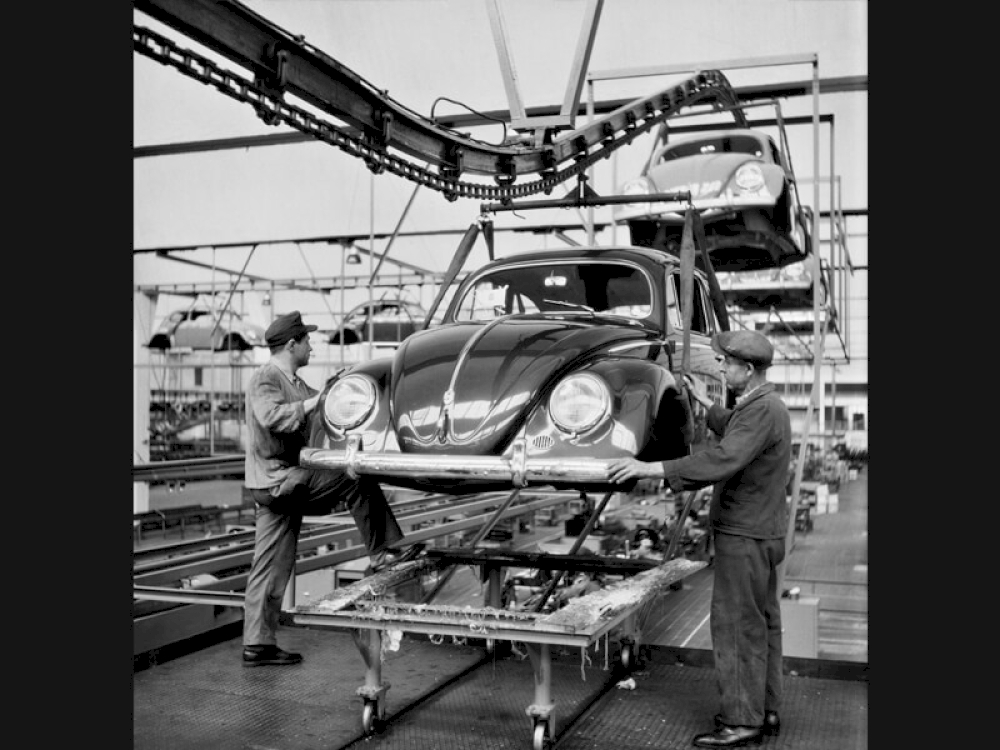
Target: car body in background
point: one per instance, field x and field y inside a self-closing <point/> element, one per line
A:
<point x="744" y="188"/>
<point x="545" y="366"/>
<point x="788" y="287"/>
<point x="379" y="321"/>
<point x="202" y="327"/>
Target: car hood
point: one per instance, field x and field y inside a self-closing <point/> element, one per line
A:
<point x="490" y="376"/>
<point x="707" y="176"/>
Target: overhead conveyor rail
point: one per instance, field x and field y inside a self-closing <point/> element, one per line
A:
<point x="378" y="129"/>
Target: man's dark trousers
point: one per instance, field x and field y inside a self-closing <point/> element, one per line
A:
<point x="278" y="522"/>
<point x="746" y="627"/>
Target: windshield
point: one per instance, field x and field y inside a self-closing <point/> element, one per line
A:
<point x="740" y="144"/>
<point x="602" y="287"/>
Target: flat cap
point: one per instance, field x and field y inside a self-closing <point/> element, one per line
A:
<point x="749" y="346"/>
<point x="285" y="328"/>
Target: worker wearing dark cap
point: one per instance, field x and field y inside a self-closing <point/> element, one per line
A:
<point x="749" y="519"/>
<point x="279" y="409"/>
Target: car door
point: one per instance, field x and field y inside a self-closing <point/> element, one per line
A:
<point x="196" y="331"/>
<point x="391" y="322"/>
<point x="384" y="317"/>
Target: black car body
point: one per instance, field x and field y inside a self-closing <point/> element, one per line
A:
<point x="546" y="366"/>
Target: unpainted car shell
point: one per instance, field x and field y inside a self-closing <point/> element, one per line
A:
<point x="462" y="407"/>
<point x="393" y="320"/>
<point x="196" y="329"/>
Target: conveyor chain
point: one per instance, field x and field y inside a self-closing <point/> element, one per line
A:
<point x="375" y="123"/>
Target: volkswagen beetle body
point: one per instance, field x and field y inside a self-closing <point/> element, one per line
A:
<point x="203" y="327"/>
<point x="743" y="187"/>
<point x="545" y="366"/>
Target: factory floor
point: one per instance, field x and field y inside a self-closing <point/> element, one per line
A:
<point x="450" y="694"/>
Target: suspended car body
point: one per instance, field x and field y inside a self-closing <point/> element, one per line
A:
<point x="206" y="328"/>
<point x="379" y="321"/>
<point x="789" y="287"/>
<point x="742" y="185"/>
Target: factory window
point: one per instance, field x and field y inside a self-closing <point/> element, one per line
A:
<point x="836" y="418"/>
<point x="197" y="375"/>
<point x="858" y="422"/>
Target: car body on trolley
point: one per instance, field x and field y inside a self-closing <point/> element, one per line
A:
<point x="545" y="366"/>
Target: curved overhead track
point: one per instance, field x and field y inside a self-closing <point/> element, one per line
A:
<point x="379" y="130"/>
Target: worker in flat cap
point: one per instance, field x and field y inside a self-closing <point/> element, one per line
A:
<point x="280" y="410"/>
<point x="748" y="517"/>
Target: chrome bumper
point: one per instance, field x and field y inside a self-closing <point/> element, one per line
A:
<point x="653" y="209"/>
<point x="517" y="468"/>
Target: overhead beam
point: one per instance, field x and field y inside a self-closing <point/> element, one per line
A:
<point x="354" y="238"/>
<point x="745" y="94"/>
<point x="323" y="285"/>
<point x="282" y="63"/>
<point x="808" y="58"/>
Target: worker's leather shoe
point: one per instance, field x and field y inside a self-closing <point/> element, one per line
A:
<point x="772" y="724"/>
<point x="726" y="736"/>
<point x="258" y="656"/>
<point x="391" y="556"/>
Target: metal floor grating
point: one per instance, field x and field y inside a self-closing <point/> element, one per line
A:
<point x="208" y="700"/>
<point x="672" y="703"/>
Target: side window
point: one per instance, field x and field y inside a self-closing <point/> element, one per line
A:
<point x="700" y="314"/>
<point x="673" y="302"/>
<point x="708" y="312"/>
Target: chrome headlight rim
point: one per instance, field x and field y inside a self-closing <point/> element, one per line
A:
<point x="796" y="271"/>
<point x="350" y="402"/>
<point x="750" y="177"/>
<point x="637" y="186"/>
<point x="597" y="411"/>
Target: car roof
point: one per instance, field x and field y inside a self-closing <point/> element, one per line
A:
<point x="388" y="302"/>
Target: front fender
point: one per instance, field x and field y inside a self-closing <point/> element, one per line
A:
<point x="376" y="432"/>
<point x="638" y="389"/>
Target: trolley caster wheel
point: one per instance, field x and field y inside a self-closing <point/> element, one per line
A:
<point x="371" y="718"/>
<point x="540" y="736"/>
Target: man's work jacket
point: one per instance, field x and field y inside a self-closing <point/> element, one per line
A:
<point x="749" y="467"/>
<point x="277" y="425"/>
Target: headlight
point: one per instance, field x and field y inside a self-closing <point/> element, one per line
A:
<point x="349" y="402"/>
<point x="579" y="403"/>
<point x="795" y="270"/>
<point x="750" y="177"/>
<point x="640" y="186"/>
